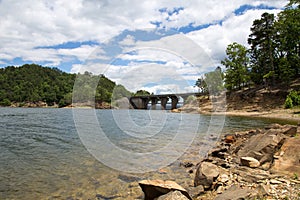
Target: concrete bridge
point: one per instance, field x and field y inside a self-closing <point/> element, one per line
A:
<point x="141" y="102"/>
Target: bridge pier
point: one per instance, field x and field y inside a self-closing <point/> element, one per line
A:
<point x="154" y="101"/>
<point x="145" y="102"/>
<point x="174" y="102"/>
<point x="141" y="102"/>
<point x="163" y="102"/>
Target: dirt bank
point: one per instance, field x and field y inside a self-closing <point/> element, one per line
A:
<point x="255" y="102"/>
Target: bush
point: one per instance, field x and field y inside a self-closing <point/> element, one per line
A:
<point x="293" y="99"/>
<point x="5" y="102"/>
<point x="288" y="103"/>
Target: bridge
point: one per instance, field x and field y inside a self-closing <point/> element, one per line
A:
<point x="141" y="102"/>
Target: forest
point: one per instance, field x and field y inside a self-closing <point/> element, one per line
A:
<point x="272" y="59"/>
<point x="274" y="54"/>
<point x="34" y="83"/>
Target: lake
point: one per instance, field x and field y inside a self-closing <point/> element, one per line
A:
<point x="101" y="154"/>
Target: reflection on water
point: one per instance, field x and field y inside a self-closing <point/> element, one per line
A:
<point x="42" y="156"/>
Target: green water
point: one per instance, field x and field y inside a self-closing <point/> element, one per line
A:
<point x="42" y="156"/>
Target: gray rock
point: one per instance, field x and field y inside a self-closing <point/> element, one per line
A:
<point x="205" y="175"/>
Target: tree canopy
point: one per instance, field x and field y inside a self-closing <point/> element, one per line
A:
<point x="33" y="83"/>
<point x="274" y="53"/>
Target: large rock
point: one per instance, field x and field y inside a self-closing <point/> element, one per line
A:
<point x="205" y="175"/>
<point x="155" y="188"/>
<point x="262" y="147"/>
<point x="288" y="159"/>
<point x="175" y="195"/>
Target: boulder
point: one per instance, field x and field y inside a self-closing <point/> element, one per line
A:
<point x="155" y="188"/>
<point x="174" y="195"/>
<point x="205" y="175"/>
<point x="288" y="161"/>
<point x="262" y="147"/>
<point x="250" y="162"/>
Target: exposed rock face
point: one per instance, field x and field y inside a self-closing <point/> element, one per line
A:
<point x="262" y="147"/>
<point x="248" y="165"/>
<point x="288" y="158"/>
<point x="156" y="188"/>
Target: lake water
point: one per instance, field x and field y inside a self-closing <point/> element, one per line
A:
<point x="44" y="156"/>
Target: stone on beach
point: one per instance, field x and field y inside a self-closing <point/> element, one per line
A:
<point x="205" y="175"/>
<point x="155" y="188"/>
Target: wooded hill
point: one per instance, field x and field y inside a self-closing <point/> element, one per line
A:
<point x="34" y="83"/>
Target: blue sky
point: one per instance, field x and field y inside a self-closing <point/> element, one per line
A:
<point x="97" y="35"/>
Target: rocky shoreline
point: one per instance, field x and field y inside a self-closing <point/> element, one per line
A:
<point x="255" y="164"/>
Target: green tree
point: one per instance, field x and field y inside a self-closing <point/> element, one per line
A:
<point x="288" y="39"/>
<point x="236" y="63"/>
<point x="214" y="81"/>
<point x="119" y="92"/>
<point x="201" y="84"/>
<point x="142" y="93"/>
<point x="262" y="42"/>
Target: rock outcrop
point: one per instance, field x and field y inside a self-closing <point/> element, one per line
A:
<point x="252" y="164"/>
<point x="257" y="164"/>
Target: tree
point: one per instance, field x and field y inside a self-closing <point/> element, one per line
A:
<point x="214" y="81"/>
<point x="236" y="63"/>
<point x="142" y="93"/>
<point x="201" y="84"/>
<point x="288" y="39"/>
<point x="262" y="42"/>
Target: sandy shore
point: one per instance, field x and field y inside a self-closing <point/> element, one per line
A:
<point x="292" y="115"/>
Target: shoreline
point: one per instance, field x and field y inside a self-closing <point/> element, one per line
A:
<point x="286" y="115"/>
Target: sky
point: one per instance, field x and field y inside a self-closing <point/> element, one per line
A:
<point x="159" y="46"/>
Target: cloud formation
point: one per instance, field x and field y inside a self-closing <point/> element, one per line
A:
<point x="65" y="34"/>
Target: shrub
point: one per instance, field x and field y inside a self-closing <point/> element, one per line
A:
<point x="288" y="103"/>
<point x="293" y="99"/>
<point x="5" y="102"/>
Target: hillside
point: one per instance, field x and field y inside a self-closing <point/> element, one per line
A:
<point x="33" y="85"/>
<point x="257" y="102"/>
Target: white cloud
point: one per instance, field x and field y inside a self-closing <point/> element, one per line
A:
<point x="26" y="25"/>
<point x="215" y="39"/>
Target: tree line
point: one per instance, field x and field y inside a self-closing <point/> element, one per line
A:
<point x="34" y="83"/>
<point x="273" y="56"/>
